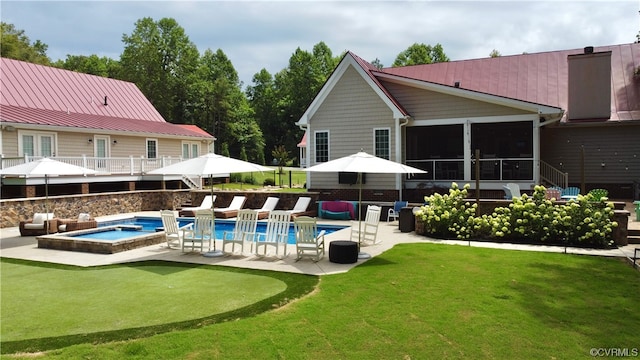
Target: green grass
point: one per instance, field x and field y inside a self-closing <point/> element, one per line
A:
<point x="421" y="301"/>
<point x="295" y="183"/>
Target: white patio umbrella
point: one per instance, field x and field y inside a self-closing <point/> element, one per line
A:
<point x="45" y="167"/>
<point x="360" y="163"/>
<point x="209" y="165"/>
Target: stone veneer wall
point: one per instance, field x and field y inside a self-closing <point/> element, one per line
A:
<point x="69" y="206"/>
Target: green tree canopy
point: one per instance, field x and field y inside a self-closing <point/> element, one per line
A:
<point x="160" y="59"/>
<point x="418" y="54"/>
<point x="16" y="45"/>
<point x="92" y="64"/>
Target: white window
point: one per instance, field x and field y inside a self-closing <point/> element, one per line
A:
<point x="152" y="148"/>
<point x="322" y="146"/>
<point x="33" y="143"/>
<point x="190" y="149"/>
<point x="382" y="143"/>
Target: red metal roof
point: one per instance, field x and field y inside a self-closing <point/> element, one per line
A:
<point x="540" y="78"/>
<point x="43" y="95"/>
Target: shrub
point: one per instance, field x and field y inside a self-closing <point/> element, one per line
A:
<point x="530" y="219"/>
<point x="269" y="182"/>
<point x="448" y="215"/>
<point x="249" y="179"/>
<point x="235" y="178"/>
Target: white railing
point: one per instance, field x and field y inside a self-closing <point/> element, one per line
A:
<point x="112" y="165"/>
<point x="553" y="176"/>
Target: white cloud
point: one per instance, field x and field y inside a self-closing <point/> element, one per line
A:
<point x="264" y="34"/>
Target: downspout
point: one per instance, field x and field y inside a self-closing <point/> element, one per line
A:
<point x="400" y="124"/>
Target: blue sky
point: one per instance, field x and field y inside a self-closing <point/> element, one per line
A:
<point x="264" y="34"/>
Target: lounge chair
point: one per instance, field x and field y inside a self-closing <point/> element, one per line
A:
<point x="570" y="193"/>
<point x="232" y="210"/>
<point x="598" y="194"/>
<point x="366" y="232"/>
<point x="511" y="190"/>
<point x="172" y="231"/>
<point x="277" y="233"/>
<point x="207" y="203"/>
<point x="552" y="193"/>
<point x="84" y="221"/>
<point x="309" y="243"/>
<point x="300" y="208"/>
<point x="40" y="224"/>
<point x="268" y="206"/>
<point x="394" y="213"/>
<point x="202" y="231"/>
<point x="244" y="231"/>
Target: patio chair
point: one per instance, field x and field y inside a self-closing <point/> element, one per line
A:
<point x="207" y="203"/>
<point x="40" y="224"/>
<point x="172" y="231"/>
<point x="570" y="193"/>
<point x="276" y="235"/>
<point x="309" y="243"/>
<point x="82" y="222"/>
<point x="300" y="208"/>
<point x="202" y="231"/>
<point x="598" y="194"/>
<point x="394" y="213"/>
<point x="268" y="206"/>
<point x="232" y="210"/>
<point x="552" y="193"/>
<point x="511" y="190"/>
<point x="244" y="231"/>
<point x="366" y="233"/>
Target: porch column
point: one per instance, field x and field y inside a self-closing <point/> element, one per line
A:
<point x="30" y="191"/>
<point x="84" y="188"/>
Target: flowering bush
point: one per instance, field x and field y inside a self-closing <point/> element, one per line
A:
<point x="530" y="219"/>
<point x="448" y="215"/>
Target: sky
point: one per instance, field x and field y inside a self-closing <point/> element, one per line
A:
<point x="258" y="35"/>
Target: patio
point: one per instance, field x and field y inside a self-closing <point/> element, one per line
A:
<point x="12" y="245"/>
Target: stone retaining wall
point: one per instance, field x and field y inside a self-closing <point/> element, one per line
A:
<point x="69" y="206"/>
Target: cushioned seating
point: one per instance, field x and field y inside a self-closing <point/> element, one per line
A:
<point x="337" y="210"/>
<point x="41" y="224"/>
<point x="84" y="221"/>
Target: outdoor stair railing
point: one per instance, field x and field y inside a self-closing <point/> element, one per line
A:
<point x="553" y="176"/>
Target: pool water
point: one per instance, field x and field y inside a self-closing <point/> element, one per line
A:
<point x="154" y="224"/>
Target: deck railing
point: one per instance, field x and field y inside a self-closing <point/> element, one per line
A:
<point x="112" y="165"/>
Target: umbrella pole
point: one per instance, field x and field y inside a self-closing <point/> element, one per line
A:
<point x="214" y="253"/>
<point x="361" y="255"/>
<point x="46" y="200"/>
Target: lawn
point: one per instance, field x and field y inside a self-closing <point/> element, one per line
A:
<point x="417" y="301"/>
<point x="291" y="179"/>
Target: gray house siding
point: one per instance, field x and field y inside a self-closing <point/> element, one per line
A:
<point x="350" y="113"/>
<point x="429" y="105"/>
<point x="618" y="151"/>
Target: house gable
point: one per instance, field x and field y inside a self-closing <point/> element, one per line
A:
<point x="351" y="61"/>
<point x="426" y="104"/>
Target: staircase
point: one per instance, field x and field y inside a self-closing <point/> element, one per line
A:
<point x="633" y="236"/>
<point x="553" y="176"/>
<point x="191" y="183"/>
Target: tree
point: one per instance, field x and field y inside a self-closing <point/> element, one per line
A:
<point x="160" y="59"/>
<point x="92" y="64"/>
<point x="377" y="63"/>
<point x="289" y="93"/>
<point x="495" y="53"/>
<point x="281" y="155"/>
<point x="16" y="45"/>
<point x="223" y="110"/>
<point x="418" y="54"/>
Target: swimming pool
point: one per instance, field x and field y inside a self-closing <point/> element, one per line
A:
<point x="152" y="224"/>
<point x="126" y="234"/>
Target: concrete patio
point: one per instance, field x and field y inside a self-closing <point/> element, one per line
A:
<point x="12" y="245"/>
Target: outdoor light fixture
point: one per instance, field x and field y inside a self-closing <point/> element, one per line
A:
<point x="115" y="142"/>
<point x="603" y="164"/>
<point x="89" y="141"/>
